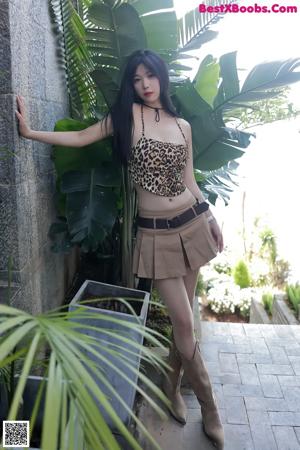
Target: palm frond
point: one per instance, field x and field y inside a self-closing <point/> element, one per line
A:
<point x="74" y="384"/>
<point x="193" y="26"/>
<point x="74" y="58"/>
<point x="265" y="80"/>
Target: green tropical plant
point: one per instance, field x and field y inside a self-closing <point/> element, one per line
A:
<point x="74" y="57"/>
<point x="90" y="184"/>
<point x="71" y="414"/>
<point x="293" y="294"/>
<point x="112" y="31"/>
<point x="214" y="143"/>
<point x="241" y="275"/>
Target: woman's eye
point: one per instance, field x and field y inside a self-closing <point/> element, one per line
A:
<point x="135" y="80"/>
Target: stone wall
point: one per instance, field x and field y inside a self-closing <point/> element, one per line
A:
<point x="282" y="314"/>
<point x="258" y="313"/>
<point x="28" y="66"/>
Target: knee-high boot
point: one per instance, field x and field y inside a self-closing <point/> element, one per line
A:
<point x="199" y="379"/>
<point x="171" y="385"/>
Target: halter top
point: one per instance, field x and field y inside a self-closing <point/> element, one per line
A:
<point x="158" y="166"/>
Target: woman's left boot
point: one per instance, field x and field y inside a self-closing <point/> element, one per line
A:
<point x="171" y="385"/>
<point x="199" y="379"/>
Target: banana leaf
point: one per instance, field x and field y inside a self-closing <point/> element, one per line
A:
<point x="113" y="33"/>
<point x="88" y="183"/>
<point x="207" y="79"/>
<point x="212" y="146"/>
<point x="91" y="209"/>
<point x="229" y="87"/>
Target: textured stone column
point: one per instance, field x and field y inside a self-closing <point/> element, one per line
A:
<point x="28" y="66"/>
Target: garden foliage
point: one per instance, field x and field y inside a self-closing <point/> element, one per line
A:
<point x="95" y="198"/>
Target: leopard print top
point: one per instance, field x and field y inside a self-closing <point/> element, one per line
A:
<point x="158" y="166"/>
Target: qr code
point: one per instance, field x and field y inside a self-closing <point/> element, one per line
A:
<point x="15" y="433"/>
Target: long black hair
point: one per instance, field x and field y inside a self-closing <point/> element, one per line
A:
<point x="121" y="112"/>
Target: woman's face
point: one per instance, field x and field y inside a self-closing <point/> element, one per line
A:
<point x="146" y="85"/>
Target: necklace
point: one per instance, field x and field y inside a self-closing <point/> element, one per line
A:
<point x="157" y="117"/>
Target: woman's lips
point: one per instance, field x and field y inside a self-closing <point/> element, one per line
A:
<point x="148" y="93"/>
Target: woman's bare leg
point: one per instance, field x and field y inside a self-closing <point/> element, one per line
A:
<point x="174" y="293"/>
<point x="190" y="281"/>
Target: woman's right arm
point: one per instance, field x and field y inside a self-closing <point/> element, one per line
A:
<point x="78" y="138"/>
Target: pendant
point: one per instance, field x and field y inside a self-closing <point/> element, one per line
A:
<point x="170" y="199"/>
<point x="157" y="117"/>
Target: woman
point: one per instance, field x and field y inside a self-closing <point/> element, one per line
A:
<point x="177" y="234"/>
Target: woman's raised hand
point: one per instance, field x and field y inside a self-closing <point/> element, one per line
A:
<point x="24" y="129"/>
<point x="79" y="138"/>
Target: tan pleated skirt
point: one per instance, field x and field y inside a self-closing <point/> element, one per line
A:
<point x="167" y="253"/>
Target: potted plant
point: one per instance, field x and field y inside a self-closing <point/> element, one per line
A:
<point x="68" y="379"/>
<point x="116" y="305"/>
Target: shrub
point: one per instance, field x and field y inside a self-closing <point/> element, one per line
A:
<point x="267" y="299"/>
<point x="293" y="293"/>
<point x="228" y="298"/>
<point x="245" y="297"/>
<point x="241" y="275"/>
<point x="223" y="298"/>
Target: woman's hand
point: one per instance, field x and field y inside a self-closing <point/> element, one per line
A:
<point x="217" y="234"/>
<point x="24" y="129"/>
<point x="80" y="138"/>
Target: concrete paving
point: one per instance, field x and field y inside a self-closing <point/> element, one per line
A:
<point x="255" y="371"/>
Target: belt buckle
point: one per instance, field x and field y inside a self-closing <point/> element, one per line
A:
<point x="154" y="223"/>
<point x="168" y="223"/>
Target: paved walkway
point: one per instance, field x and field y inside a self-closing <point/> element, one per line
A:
<point x="255" y="371"/>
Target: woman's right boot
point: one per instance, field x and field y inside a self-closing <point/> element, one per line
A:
<point x="171" y="385"/>
<point x="199" y="379"/>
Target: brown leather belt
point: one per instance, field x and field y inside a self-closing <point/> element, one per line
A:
<point x="177" y="221"/>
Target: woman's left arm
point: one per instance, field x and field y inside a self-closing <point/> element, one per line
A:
<point x="191" y="184"/>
